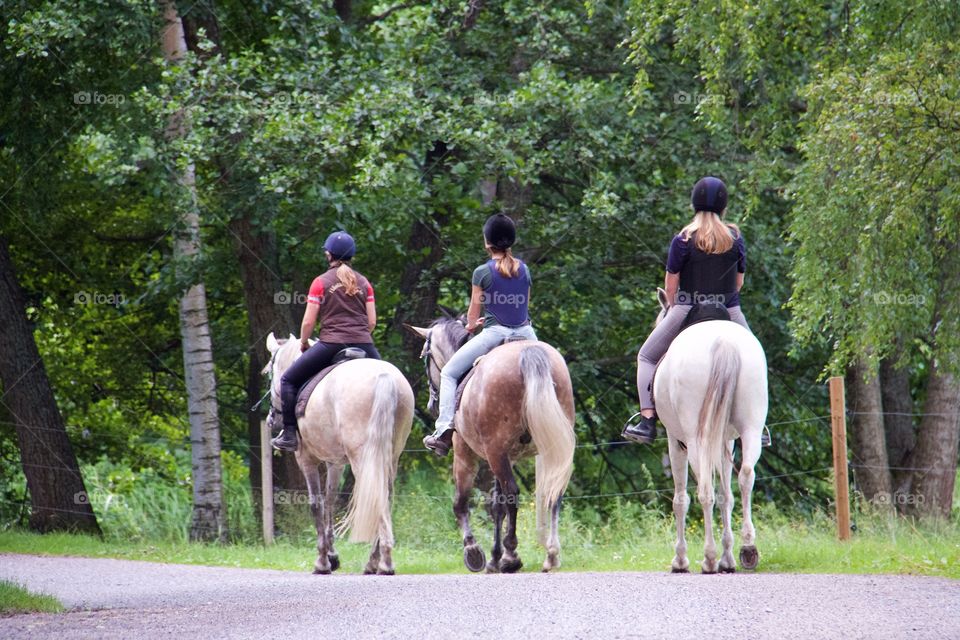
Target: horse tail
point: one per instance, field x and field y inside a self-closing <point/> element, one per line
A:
<point x="551" y="430"/>
<point x="715" y="413"/>
<point x="375" y="470"/>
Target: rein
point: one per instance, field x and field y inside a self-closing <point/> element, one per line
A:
<point x="427" y="354"/>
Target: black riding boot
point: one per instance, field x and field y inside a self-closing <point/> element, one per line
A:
<point x="287" y="440"/>
<point x="644" y="431"/>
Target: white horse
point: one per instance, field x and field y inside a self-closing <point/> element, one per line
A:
<point x="360" y="413"/>
<point x="711" y="388"/>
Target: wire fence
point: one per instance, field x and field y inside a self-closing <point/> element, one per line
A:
<point x="820" y="474"/>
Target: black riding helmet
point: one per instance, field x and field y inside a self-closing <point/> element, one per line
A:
<point x="500" y="232"/>
<point x="709" y="194"/>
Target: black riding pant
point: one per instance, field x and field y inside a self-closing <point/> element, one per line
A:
<point x="310" y="363"/>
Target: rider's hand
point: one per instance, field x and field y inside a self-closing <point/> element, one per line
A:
<point x="304" y="346"/>
<point x="474" y="327"/>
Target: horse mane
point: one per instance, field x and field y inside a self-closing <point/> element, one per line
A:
<point x="456" y="333"/>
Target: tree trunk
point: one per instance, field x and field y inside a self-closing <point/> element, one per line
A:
<point x="419" y="283"/>
<point x="935" y="457"/>
<point x="897" y="421"/>
<point x="869" y="448"/>
<point x="58" y="497"/>
<point x="209" y="513"/>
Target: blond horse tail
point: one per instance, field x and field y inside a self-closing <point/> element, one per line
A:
<point x="551" y="430"/>
<point x="375" y="470"/>
<point x="715" y="414"/>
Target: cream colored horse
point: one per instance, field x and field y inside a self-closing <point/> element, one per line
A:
<point x="361" y="413"/>
<point x="711" y="388"/>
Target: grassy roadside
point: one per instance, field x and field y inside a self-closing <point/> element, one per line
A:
<point x="15" y="599"/>
<point x="627" y="543"/>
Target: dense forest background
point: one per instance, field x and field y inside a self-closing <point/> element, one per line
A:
<point x="141" y="180"/>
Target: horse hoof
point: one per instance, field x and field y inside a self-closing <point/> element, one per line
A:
<point x="321" y="572"/>
<point x="749" y="558"/>
<point x="334" y="561"/>
<point x="386" y="572"/>
<point x="675" y="570"/>
<point x="492" y="567"/>
<point x="511" y="565"/>
<point x="474" y="558"/>
<point x="726" y="569"/>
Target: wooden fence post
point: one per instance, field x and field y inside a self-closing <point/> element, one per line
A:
<point x="266" y="482"/>
<point x="838" y="420"/>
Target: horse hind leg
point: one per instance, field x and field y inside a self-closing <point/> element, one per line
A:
<point x="464" y="474"/>
<point x="498" y="511"/>
<point x="311" y="473"/>
<point x="749" y="556"/>
<point x="727" y="563"/>
<point x="553" y="540"/>
<point x="334" y="474"/>
<point x="681" y="503"/>
<point x="510" y="492"/>
<point x="385" y="543"/>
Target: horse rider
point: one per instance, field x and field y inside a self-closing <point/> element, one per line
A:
<point x="343" y="301"/>
<point x="501" y="291"/>
<point x="705" y="264"/>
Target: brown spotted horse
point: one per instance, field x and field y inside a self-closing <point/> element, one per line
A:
<point x="517" y="402"/>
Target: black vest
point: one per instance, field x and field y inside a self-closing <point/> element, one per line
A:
<point x="708" y="277"/>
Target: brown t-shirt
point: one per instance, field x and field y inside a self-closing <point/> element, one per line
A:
<point x="343" y="318"/>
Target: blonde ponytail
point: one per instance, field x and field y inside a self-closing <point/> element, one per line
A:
<point x="348" y="279"/>
<point x="508" y="266"/>
<point x="713" y="235"/>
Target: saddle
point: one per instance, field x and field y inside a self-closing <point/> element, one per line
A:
<point x="466" y="378"/>
<point x="703" y="312"/>
<point x="350" y="353"/>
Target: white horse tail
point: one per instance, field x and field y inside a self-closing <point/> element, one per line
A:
<point x="551" y="430"/>
<point x="715" y="413"/>
<point x="374" y="472"/>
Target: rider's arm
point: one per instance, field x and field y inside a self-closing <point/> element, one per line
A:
<point x="671" y="283"/>
<point x="371" y="309"/>
<point x="308" y="324"/>
<point x="474" y="321"/>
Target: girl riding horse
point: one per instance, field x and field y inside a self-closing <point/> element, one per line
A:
<point x="343" y="301"/>
<point x="706" y="264"/>
<point x="501" y="290"/>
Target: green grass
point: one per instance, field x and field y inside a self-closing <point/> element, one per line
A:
<point x="630" y="538"/>
<point x="15" y="599"/>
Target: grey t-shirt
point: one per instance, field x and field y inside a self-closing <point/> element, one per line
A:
<point x="483" y="278"/>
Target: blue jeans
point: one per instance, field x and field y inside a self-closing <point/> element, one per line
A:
<point x="463" y="360"/>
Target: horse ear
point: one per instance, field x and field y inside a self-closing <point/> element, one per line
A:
<point x="272" y="344"/>
<point x="662" y="298"/>
<point x="423" y="333"/>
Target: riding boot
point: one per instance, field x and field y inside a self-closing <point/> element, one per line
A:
<point x="287" y="440"/>
<point x="439" y="443"/>
<point x="644" y="432"/>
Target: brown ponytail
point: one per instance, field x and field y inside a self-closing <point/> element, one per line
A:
<point x="508" y="266"/>
<point x="348" y="279"/>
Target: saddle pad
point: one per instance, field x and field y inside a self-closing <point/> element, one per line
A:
<point x="344" y="355"/>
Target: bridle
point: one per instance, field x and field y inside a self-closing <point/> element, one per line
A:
<point x="427" y="356"/>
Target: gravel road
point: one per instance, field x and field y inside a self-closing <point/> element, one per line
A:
<point x="122" y="599"/>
